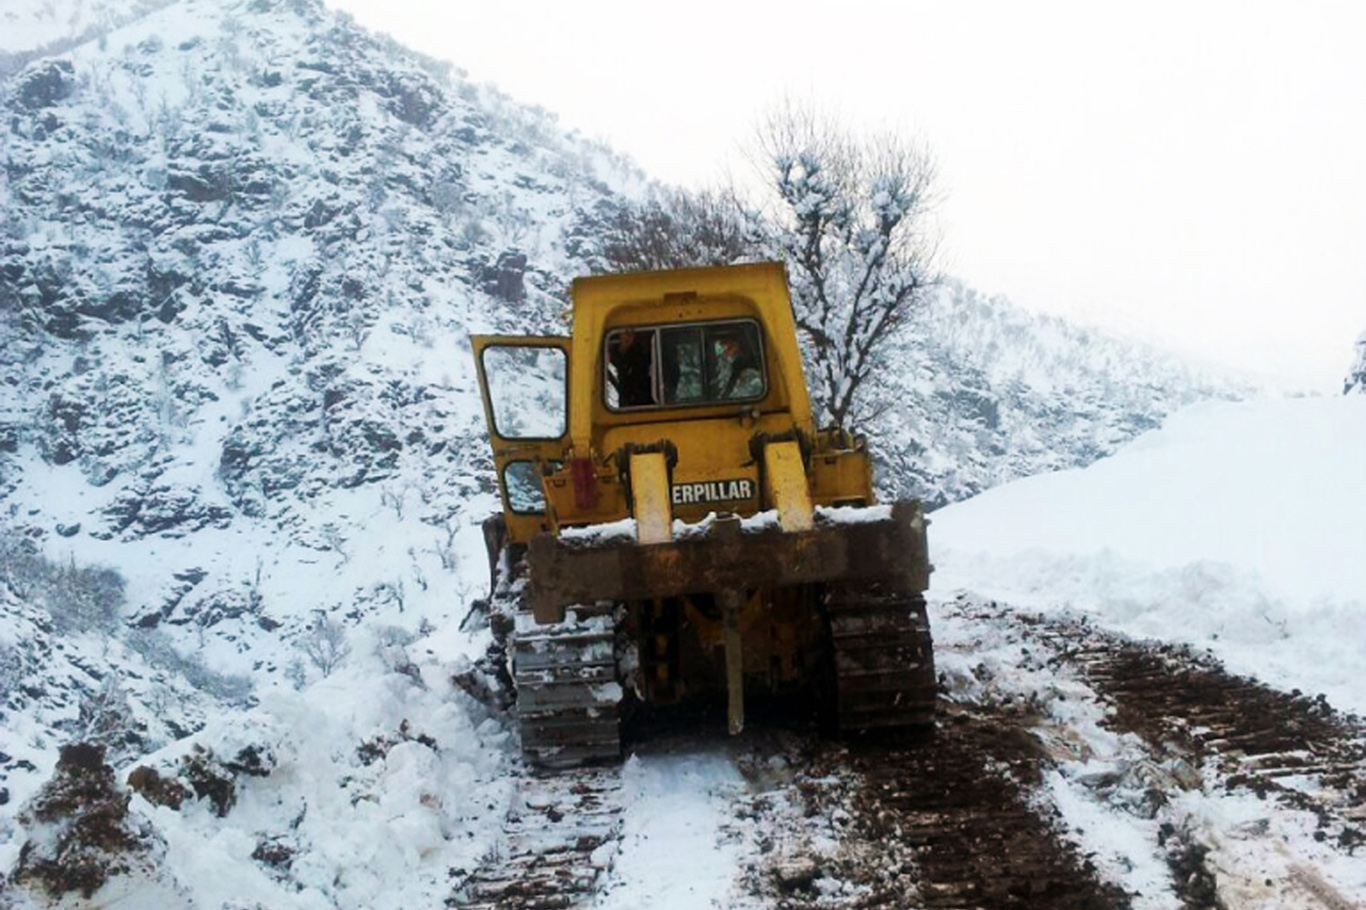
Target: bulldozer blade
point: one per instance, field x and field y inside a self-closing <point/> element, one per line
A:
<point x="890" y="551"/>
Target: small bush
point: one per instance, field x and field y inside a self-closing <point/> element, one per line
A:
<point x="104" y="716"/>
<point x="78" y="598"/>
<point x="159" y="652"/>
<point x="11" y="670"/>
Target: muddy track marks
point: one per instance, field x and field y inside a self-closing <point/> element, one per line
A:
<point x="945" y="821"/>
<point x="1284" y="746"/>
<point x="962" y="800"/>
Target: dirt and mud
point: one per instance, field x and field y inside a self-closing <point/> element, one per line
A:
<point x="963" y="817"/>
<point x="944" y="820"/>
<point x="1284" y="746"/>
<point x="1213" y="733"/>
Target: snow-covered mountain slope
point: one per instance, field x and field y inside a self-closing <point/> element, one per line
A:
<point x="242" y="247"/>
<point x="984" y="392"/>
<point x="1235" y="528"/>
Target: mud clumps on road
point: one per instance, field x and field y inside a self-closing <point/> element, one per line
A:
<point x="962" y="800"/>
<point x="1194" y="883"/>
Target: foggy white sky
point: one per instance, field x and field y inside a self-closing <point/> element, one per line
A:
<point x="1189" y="172"/>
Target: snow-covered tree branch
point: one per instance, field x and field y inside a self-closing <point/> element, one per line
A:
<point x="849" y="216"/>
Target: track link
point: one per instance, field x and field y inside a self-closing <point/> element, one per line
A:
<point x="568" y="697"/>
<point x="883" y="659"/>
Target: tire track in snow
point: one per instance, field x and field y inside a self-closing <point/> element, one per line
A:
<point x="1283" y="746"/>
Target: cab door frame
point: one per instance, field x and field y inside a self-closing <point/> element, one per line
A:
<point x="539" y="451"/>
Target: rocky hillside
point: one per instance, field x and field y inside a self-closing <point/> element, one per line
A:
<point x="241" y="248"/>
<point x="985" y="392"/>
<point x="30" y="30"/>
<point x="242" y="463"/>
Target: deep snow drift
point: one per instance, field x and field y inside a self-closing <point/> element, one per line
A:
<point x="1235" y="527"/>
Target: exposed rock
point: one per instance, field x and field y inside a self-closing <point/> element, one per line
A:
<point x="80" y="833"/>
<point x="506" y="278"/>
<point x="412" y="99"/>
<point x="163" y="509"/>
<point x="158" y="790"/>
<point x="377" y="747"/>
<point x="215" y="779"/>
<point x="253" y="761"/>
<point x="44" y="84"/>
<point x="796" y="874"/>
<point x="1356" y="377"/>
<point x="209" y="780"/>
<point x="275" y="853"/>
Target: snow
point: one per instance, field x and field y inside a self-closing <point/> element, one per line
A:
<point x="377" y="834"/>
<point x="34" y="25"/>
<point x="672" y="852"/>
<point x="1236" y="527"/>
<point x="623" y="531"/>
<point x="853" y="515"/>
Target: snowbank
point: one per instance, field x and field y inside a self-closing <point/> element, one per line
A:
<point x="1236" y="527"/>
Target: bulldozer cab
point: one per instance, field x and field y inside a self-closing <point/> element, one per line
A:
<point x="698" y="366"/>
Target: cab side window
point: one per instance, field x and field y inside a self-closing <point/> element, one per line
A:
<point x="735" y="370"/>
<point x="631" y="368"/>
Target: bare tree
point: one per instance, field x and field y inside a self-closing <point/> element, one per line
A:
<point x="849" y="216"/>
<point x="677" y="228"/>
<point x="104" y="715"/>
<point x="325" y="644"/>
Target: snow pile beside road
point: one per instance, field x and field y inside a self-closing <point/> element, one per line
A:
<point x="365" y="790"/>
<point x="1241" y="529"/>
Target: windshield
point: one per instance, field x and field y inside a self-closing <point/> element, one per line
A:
<point x="697" y="363"/>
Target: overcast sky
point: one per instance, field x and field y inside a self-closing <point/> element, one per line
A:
<point x="1189" y="172"/>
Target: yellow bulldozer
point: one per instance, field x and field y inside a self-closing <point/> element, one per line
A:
<point x="675" y="527"/>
